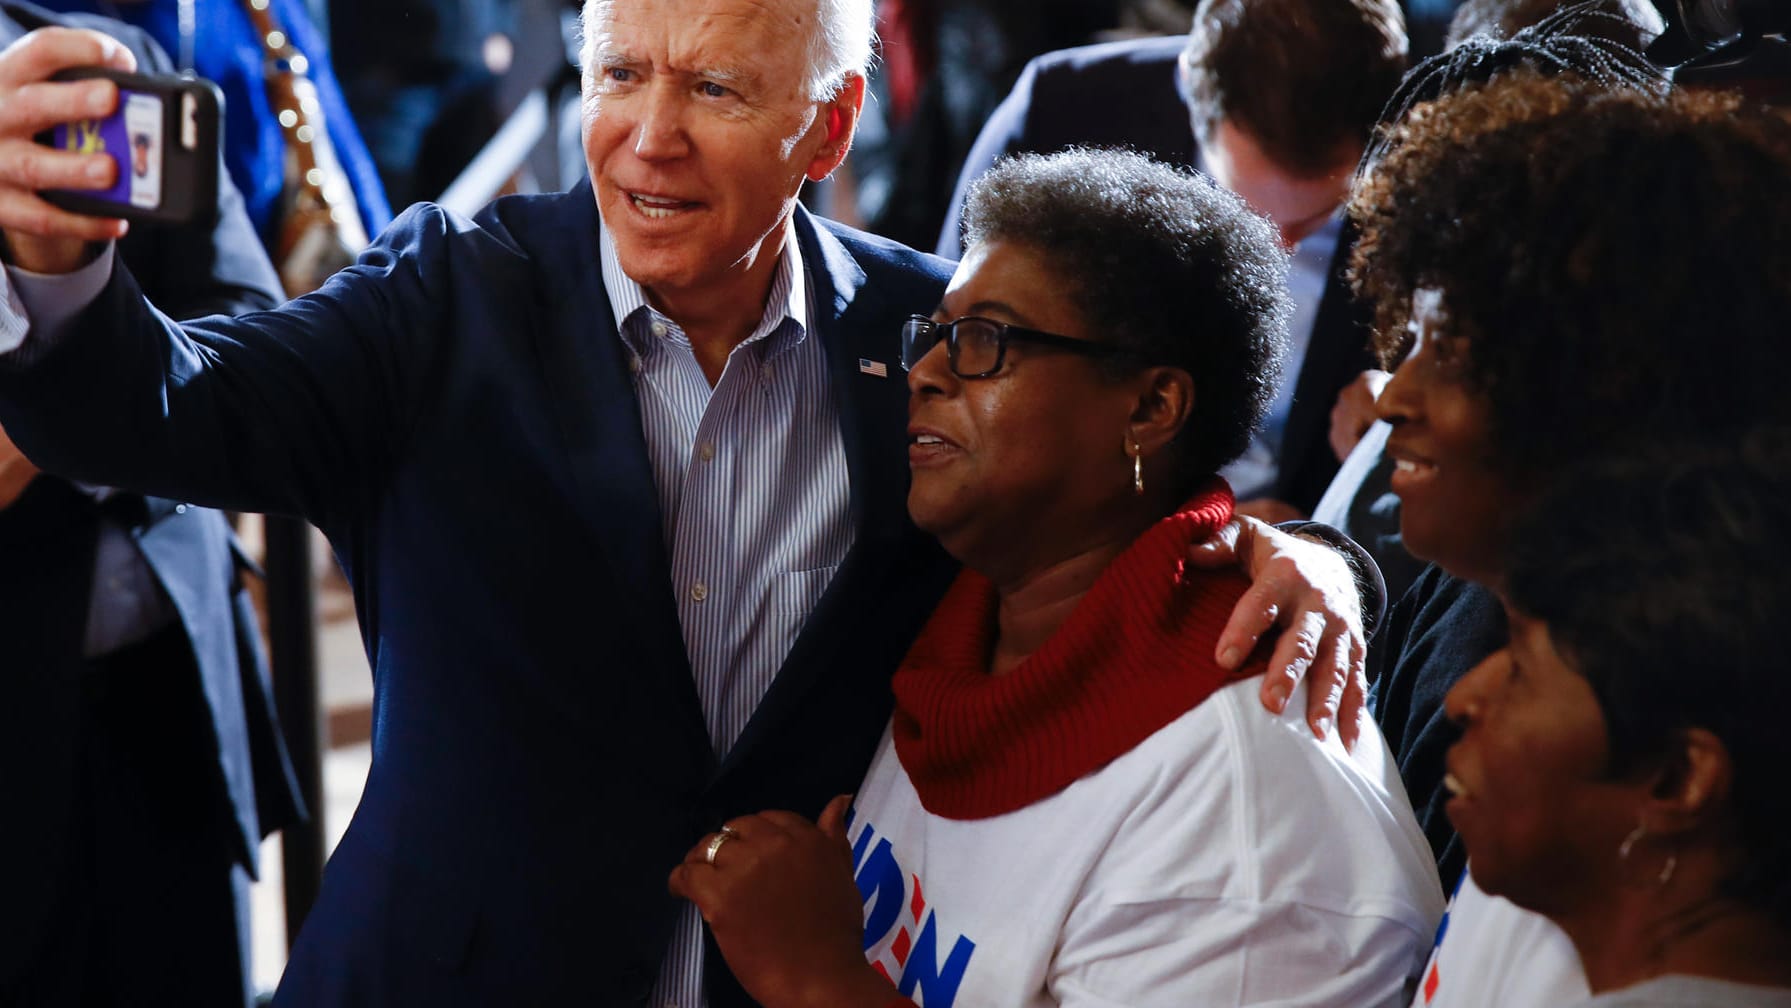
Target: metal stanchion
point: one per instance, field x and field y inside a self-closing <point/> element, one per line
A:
<point x="292" y="645"/>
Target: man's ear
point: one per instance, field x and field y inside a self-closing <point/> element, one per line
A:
<point x="840" y="114"/>
<point x="1165" y="401"/>
<point x="1691" y="785"/>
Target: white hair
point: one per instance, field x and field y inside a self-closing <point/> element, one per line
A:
<point x="841" y="45"/>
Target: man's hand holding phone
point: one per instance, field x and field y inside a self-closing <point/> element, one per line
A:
<point x="40" y="236"/>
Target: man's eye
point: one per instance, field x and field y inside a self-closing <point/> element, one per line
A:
<point x="619" y="74"/>
<point x="710" y="89"/>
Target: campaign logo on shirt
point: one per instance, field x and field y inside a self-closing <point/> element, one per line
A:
<point x="903" y="938"/>
<point x="1433" y="974"/>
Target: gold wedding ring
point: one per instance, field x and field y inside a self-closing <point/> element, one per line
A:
<point x="721" y="837"/>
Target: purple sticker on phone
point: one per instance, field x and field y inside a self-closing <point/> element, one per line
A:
<point x="132" y="138"/>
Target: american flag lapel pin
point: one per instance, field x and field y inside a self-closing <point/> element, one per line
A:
<point x="876" y="369"/>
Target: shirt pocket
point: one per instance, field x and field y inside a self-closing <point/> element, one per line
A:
<point x="795" y="593"/>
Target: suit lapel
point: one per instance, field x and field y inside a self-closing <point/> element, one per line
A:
<point x="189" y="552"/>
<point x="591" y="395"/>
<point x="872" y="396"/>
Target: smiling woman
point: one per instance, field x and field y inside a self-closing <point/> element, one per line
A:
<point x="1569" y="270"/>
<point x="1615" y="773"/>
<point x="1073" y="802"/>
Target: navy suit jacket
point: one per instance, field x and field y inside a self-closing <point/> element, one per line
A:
<point x="1124" y="94"/>
<point x="456" y="413"/>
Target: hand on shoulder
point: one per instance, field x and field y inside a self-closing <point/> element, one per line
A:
<point x="1305" y="592"/>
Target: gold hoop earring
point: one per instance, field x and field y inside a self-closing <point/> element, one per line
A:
<point x="1137" y="453"/>
<point x="1629" y="843"/>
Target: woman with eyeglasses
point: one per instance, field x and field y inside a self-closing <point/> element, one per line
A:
<point x="1073" y="803"/>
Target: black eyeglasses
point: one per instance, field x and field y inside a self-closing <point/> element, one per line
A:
<point x="975" y="347"/>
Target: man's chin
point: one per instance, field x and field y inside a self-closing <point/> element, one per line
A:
<point x="653" y="264"/>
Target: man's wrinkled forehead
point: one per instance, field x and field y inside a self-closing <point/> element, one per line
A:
<point x="719" y="38"/>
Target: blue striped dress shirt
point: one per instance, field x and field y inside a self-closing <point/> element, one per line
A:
<point x="754" y="497"/>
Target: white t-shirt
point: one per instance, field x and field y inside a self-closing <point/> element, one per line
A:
<point x="1490" y="953"/>
<point x="1228" y="859"/>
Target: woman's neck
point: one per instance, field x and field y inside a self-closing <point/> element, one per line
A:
<point x="1034" y="602"/>
<point x="1637" y="938"/>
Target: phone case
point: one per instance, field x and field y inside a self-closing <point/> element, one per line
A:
<point x="164" y="136"/>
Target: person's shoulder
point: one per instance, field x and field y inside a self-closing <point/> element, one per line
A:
<point x="1277" y="757"/>
<point x="29" y="17"/>
<point x="573" y="211"/>
<point x="1111" y="94"/>
<point x="1263" y="787"/>
<point x="1229" y="743"/>
<point x="1440" y="628"/>
<point x="1293" y="786"/>
<point x="1437" y="587"/>
<point x="547" y="228"/>
<point x="1103" y="57"/>
<point x="876" y="255"/>
<point x="1447" y="618"/>
<point x="1493" y="953"/>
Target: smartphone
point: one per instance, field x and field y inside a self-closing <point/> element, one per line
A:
<point x="164" y="137"/>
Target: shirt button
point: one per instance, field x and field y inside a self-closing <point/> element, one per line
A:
<point x="180" y="509"/>
<point x="765" y="372"/>
<point x="657" y="328"/>
<point x="634" y="363"/>
<point x="699" y="592"/>
<point x="706" y="451"/>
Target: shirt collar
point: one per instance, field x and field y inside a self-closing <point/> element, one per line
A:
<point x="1322" y="242"/>
<point x="788" y="296"/>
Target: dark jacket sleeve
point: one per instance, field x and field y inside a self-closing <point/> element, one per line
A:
<point x="1443" y="627"/>
<point x="299" y="411"/>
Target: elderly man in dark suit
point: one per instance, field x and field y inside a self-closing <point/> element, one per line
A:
<point x="1275" y="99"/>
<point x="138" y="742"/>
<point x="616" y="476"/>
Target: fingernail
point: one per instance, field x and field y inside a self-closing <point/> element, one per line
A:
<point x="1229" y="657"/>
<point x="98" y="170"/>
<point x="1322" y="728"/>
<point x="1278" y="695"/>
